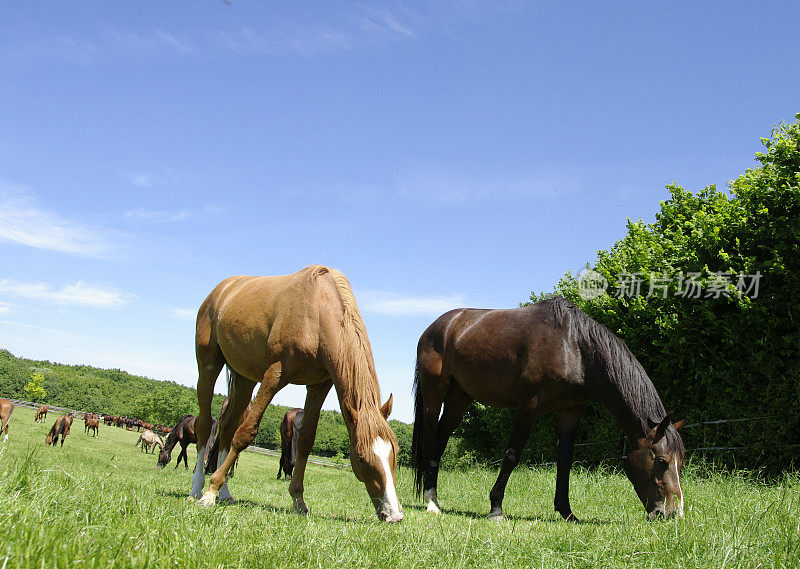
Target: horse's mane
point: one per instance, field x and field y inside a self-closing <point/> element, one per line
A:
<point x="613" y="360"/>
<point x="355" y="362"/>
<point x="172" y="436"/>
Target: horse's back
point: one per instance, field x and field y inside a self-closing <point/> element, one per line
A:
<point x="501" y="356"/>
<point x="254" y="320"/>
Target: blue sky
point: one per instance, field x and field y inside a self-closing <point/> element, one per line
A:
<point x="440" y="154"/>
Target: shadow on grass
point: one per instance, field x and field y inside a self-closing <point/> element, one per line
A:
<point x="535" y="518"/>
<point x="245" y="503"/>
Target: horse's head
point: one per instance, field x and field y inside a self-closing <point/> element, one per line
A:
<point x="163" y="457"/>
<point x="373" y="455"/>
<point x="653" y="466"/>
<point x="48" y="440"/>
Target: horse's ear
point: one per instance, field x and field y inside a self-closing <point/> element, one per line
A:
<point x="349" y="413"/>
<point x="661" y="429"/>
<point x="386" y="410"/>
<point x="677" y="426"/>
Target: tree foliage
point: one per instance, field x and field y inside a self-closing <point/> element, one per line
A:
<point x="680" y="294"/>
<point x="34" y="388"/>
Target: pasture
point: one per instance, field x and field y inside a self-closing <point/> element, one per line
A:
<point x="101" y="503"/>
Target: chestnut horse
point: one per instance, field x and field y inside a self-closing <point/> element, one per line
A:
<point x="290" y="432"/>
<point x="546" y="358"/>
<point x="6" y="408"/>
<point x="41" y="414"/>
<point x="304" y="329"/>
<point x="60" y="428"/>
<point x="91" y="423"/>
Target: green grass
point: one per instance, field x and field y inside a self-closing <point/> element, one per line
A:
<point x="101" y="503"/>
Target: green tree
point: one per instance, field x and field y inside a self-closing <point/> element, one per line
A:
<point x="34" y="389"/>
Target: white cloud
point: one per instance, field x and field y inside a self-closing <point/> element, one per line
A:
<point x="150" y="216"/>
<point x="24" y="222"/>
<point x="398" y="305"/>
<point x="6" y="307"/>
<point x="142" y="180"/>
<point x="80" y="293"/>
<point x="184" y="314"/>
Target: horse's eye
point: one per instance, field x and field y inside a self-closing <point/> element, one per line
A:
<point x="662" y="462"/>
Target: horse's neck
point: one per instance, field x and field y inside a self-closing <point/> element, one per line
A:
<point x="629" y="404"/>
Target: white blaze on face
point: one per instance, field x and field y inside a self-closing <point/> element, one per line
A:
<point x="680" y="490"/>
<point x="382" y="449"/>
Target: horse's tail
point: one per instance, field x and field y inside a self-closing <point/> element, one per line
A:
<point x="418" y="435"/>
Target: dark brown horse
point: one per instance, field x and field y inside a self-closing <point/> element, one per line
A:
<point x="182" y="433"/>
<point x="290" y="431"/>
<point x="304" y="329"/>
<point x="41" y="414"/>
<point x="59" y="429"/>
<point x="91" y="423"/>
<point x="6" y="408"/>
<point x="545" y="358"/>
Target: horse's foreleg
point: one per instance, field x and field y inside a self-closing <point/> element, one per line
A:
<point x="567" y="426"/>
<point x="315" y="397"/>
<point x="271" y="383"/>
<point x="519" y="435"/>
<point x="182" y="455"/>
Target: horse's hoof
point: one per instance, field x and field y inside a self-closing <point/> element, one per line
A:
<point x="433" y="509"/>
<point x="300" y="507"/>
<point x="208" y="500"/>
<point x="227" y="500"/>
<point x="497" y="517"/>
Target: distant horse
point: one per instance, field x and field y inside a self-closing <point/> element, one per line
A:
<point x="41" y="414"/>
<point x="148" y="439"/>
<point x="60" y="428"/>
<point x="6" y="408"/>
<point x="546" y="358"/>
<point x="290" y="432"/>
<point x="182" y="433"/>
<point x="91" y="423"/>
<point x="304" y="329"/>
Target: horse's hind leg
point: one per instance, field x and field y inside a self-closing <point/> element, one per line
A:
<point x="209" y="364"/>
<point x="519" y="435"/>
<point x="271" y="383"/>
<point x="315" y="397"/>
<point x="455" y="404"/>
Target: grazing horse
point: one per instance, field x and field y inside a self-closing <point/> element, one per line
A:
<point x="91" y="423"/>
<point x="304" y="329"/>
<point x="290" y="432"/>
<point x="6" y="408"/>
<point x="546" y="358"/>
<point x="41" y="414"/>
<point x="182" y="433"/>
<point x="60" y="428"/>
<point x="149" y="440"/>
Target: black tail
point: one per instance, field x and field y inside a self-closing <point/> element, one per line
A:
<point x="213" y="446"/>
<point x="417" y="459"/>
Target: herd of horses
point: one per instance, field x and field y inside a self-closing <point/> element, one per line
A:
<point x="306" y="329"/>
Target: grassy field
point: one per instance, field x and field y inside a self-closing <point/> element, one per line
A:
<point x="101" y="503"/>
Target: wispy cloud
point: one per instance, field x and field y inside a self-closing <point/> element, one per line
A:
<point x="6" y="307"/>
<point x="142" y="180"/>
<point x="24" y="221"/>
<point x="80" y="293"/>
<point x="454" y="186"/>
<point x="146" y="216"/>
<point x="393" y="304"/>
<point x="184" y="314"/>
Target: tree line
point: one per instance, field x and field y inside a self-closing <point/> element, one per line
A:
<point x="117" y="392"/>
